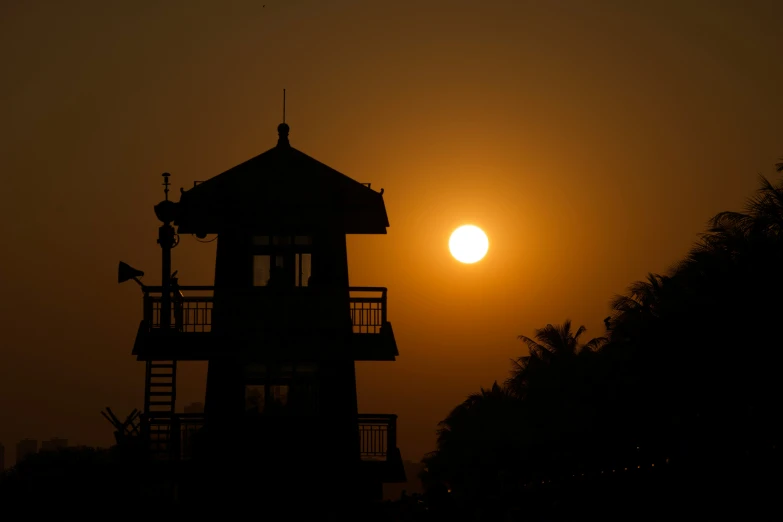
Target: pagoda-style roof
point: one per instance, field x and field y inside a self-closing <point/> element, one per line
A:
<point x="282" y="189"/>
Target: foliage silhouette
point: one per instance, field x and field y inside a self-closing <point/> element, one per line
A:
<point x="684" y="379"/>
<point x="77" y="480"/>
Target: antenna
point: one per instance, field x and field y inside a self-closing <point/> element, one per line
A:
<point x="166" y="184"/>
<point x="283" y="105"/>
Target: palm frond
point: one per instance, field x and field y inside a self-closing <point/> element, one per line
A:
<point x="534" y="348"/>
<point x="595" y="344"/>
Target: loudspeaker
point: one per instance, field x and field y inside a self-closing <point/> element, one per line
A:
<point x="126" y="272"/>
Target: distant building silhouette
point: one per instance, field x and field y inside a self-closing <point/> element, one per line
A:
<point x="54" y="444"/>
<point x="195" y="407"/>
<point x="24" y="448"/>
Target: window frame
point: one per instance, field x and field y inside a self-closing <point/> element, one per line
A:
<point x="288" y="251"/>
<point x="291" y="376"/>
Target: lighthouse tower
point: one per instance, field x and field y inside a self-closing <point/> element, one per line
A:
<point x="281" y="329"/>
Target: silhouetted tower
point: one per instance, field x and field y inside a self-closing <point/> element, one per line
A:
<point x="281" y="328"/>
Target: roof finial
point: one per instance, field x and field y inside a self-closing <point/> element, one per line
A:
<point x="282" y="129"/>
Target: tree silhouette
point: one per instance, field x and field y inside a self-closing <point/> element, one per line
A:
<point x="477" y="445"/>
<point x="686" y="375"/>
<point x="550" y="345"/>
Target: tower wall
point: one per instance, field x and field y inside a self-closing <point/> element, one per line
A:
<point x="315" y="433"/>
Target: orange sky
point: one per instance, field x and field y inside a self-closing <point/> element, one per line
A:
<point x="590" y="140"/>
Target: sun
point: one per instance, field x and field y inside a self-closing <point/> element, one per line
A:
<point x="468" y="244"/>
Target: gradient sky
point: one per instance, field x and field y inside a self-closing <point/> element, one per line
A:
<point x="590" y="140"/>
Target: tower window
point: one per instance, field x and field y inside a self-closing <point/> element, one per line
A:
<point x="289" y="389"/>
<point x="303" y="269"/>
<point x="278" y="396"/>
<point x="269" y="398"/>
<point x="286" y="260"/>
<point x="255" y="398"/>
<point x="262" y="268"/>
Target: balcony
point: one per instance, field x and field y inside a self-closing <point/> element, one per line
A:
<point x="377" y="434"/>
<point x="244" y="319"/>
<point x="172" y="438"/>
<point x="380" y="456"/>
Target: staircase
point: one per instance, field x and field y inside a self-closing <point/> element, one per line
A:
<point x="160" y="394"/>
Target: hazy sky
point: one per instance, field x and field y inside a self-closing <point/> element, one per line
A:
<point x="591" y="140"/>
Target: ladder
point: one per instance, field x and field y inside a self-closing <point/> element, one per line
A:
<point x="160" y="393"/>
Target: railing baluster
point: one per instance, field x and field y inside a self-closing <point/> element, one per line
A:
<point x="383" y="307"/>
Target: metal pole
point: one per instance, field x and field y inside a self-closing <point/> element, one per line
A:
<point x="166" y="213"/>
<point x="166" y="240"/>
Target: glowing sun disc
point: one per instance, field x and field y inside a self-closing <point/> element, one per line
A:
<point x="468" y="244"/>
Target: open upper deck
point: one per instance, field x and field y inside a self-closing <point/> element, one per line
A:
<point x="206" y="323"/>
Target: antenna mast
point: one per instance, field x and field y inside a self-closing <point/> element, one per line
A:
<point x="283" y="105"/>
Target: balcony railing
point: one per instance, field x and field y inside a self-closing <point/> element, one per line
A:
<point x="368" y="309"/>
<point x="172" y="436"/>
<point x="377" y="435"/>
<point x="192" y="308"/>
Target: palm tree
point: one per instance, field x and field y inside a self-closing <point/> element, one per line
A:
<point x="475" y="441"/>
<point x="642" y="297"/>
<point x="484" y="403"/>
<point x="644" y="303"/>
<point x="558" y="341"/>
<point x="763" y="213"/>
<point x="550" y="344"/>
